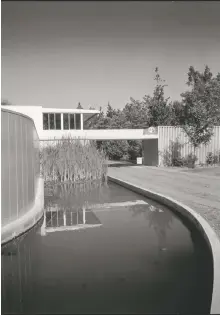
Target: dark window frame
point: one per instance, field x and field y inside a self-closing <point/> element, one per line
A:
<point x="77" y="121"/>
<point x="68" y="120"/>
<point x="48" y="115"/>
<point x="55" y="117"/>
<point x="77" y="124"/>
<point x="47" y="121"/>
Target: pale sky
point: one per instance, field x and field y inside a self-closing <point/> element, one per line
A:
<point x="59" y="53"/>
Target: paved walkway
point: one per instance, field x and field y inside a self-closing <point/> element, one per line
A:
<point x="199" y="191"/>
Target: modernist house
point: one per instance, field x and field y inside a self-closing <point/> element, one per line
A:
<point x="54" y="123"/>
<point x="58" y="123"/>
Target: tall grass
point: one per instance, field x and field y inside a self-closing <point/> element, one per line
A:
<point x="70" y="160"/>
<point x="84" y="194"/>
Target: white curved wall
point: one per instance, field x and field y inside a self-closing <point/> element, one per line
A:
<point x="20" y="165"/>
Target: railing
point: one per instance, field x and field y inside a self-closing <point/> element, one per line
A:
<point x="20" y="165"/>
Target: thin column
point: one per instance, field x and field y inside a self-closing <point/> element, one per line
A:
<point x="84" y="215"/>
<point x="61" y="117"/>
<point x="81" y="118"/>
<point x="64" y="218"/>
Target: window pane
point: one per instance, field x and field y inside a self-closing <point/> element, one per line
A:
<point x="52" y="124"/>
<point x="65" y="121"/>
<point x="58" y="121"/>
<point x="72" y="123"/>
<point x="78" y="122"/>
<point x="45" y="122"/>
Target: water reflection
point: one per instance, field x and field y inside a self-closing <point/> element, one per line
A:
<point x="56" y="220"/>
<point x="160" y="220"/>
<point x="17" y="272"/>
<point x="66" y="206"/>
<point x="104" y="270"/>
<point x="82" y="194"/>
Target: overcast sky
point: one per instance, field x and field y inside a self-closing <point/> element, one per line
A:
<point x="57" y="54"/>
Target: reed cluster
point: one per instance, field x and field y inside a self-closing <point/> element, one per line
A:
<point x="75" y="196"/>
<point x="72" y="160"/>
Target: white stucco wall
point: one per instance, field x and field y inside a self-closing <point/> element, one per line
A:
<point x="35" y="112"/>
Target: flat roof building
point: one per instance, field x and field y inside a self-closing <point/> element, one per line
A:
<point x="55" y="123"/>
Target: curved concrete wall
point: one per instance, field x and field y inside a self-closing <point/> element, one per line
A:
<point x="20" y="166"/>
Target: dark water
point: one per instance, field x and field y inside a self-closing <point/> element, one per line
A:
<point x="104" y="249"/>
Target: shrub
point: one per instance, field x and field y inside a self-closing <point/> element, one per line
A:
<point x="71" y="161"/>
<point x="190" y="160"/>
<point x="114" y="149"/>
<point x="172" y="155"/>
<point x="212" y="158"/>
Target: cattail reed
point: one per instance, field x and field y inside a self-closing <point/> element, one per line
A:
<point x="70" y="160"/>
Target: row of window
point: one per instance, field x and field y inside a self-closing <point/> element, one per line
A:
<point x="52" y="121"/>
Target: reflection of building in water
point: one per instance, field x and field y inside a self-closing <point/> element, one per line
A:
<point x="56" y="219"/>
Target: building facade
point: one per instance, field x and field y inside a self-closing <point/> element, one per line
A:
<point x="55" y="123"/>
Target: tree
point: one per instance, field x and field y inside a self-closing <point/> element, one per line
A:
<point x="177" y="117"/>
<point x="201" y="106"/>
<point x="134" y="149"/>
<point x="99" y="121"/>
<point x="5" y="102"/>
<point x="114" y="149"/>
<point x="79" y="106"/>
<point x="159" y="111"/>
<point x="110" y="111"/>
<point x="135" y="115"/>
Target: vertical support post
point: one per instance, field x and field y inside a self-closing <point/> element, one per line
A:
<point x="64" y="218"/>
<point x="81" y="118"/>
<point x="84" y="215"/>
<point x="61" y="117"/>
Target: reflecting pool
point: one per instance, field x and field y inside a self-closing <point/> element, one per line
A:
<point x="101" y="248"/>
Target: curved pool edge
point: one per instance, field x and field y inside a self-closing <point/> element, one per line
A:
<point x="199" y="222"/>
<point x="21" y="225"/>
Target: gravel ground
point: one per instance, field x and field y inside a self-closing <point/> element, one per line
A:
<point x="200" y="190"/>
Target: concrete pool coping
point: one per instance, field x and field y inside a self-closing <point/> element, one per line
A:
<point x="24" y="223"/>
<point x="199" y="222"/>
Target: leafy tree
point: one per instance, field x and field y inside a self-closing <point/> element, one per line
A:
<point x="197" y="113"/>
<point x="110" y="111"/>
<point x="177" y="116"/>
<point x="97" y="121"/>
<point x="135" y="115"/>
<point x="158" y="109"/>
<point x="134" y="149"/>
<point x="114" y="149"/>
<point x="79" y="106"/>
<point x="201" y="106"/>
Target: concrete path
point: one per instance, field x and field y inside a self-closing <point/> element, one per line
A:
<point x="199" y="191"/>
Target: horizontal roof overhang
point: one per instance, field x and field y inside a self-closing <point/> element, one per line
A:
<point x="101" y="134"/>
<point x="70" y="110"/>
